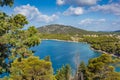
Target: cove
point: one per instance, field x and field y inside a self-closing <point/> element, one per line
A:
<point x="62" y="52"/>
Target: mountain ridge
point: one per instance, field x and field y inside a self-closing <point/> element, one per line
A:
<point x="65" y="29"/>
<point x="117" y="31"/>
<point x="62" y="29"/>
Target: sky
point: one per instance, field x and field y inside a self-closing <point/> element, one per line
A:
<point x="92" y="15"/>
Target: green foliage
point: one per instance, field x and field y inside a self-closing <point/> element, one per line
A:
<point x="47" y="58"/>
<point x="67" y="72"/>
<point x="101" y="68"/>
<point x="6" y="2"/>
<point x="31" y="68"/>
<point x="64" y="73"/>
<point x="14" y="41"/>
<point x="104" y="43"/>
<point x="82" y="69"/>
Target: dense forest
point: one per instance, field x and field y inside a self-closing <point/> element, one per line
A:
<point x="22" y="65"/>
<point x="109" y="44"/>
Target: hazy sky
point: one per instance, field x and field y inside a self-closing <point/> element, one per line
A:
<point x="95" y="15"/>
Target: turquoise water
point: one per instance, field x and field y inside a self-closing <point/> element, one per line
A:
<point x="62" y="53"/>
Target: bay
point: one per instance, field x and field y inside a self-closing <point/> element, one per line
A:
<point x="62" y="52"/>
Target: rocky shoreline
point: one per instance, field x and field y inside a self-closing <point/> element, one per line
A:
<point x="103" y="52"/>
<point x="61" y="40"/>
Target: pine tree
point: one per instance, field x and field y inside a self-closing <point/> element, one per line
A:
<point x="14" y="41"/>
<point x="6" y="2"/>
<point x="64" y="73"/>
<point x="31" y="68"/>
<point x="101" y="69"/>
<point x="47" y="58"/>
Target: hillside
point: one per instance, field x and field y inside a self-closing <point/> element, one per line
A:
<point x="62" y="29"/>
<point x="117" y="31"/>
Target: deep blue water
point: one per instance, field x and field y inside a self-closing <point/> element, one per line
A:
<point x="62" y="53"/>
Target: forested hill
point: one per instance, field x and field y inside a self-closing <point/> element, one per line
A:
<point x="62" y="29"/>
<point x="117" y="31"/>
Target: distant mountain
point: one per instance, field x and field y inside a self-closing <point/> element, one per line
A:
<point x="117" y="31"/>
<point x="62" y="29"/>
